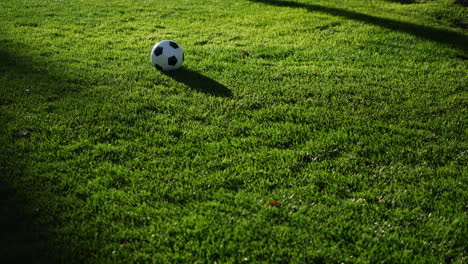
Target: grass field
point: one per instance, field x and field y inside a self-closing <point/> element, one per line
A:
<point x="298" y="131"/>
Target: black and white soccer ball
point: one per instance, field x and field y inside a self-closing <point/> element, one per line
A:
<point x="167" y="55"/>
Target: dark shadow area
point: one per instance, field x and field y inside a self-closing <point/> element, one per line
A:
<point x="454" y="39"/>
<point x="23" y="239"/>
<point x="200" y="82"/>
<point x="15" y="65"/>
<point x="462" y="2"/>
<point x="10" y="62"/>
<point x="20" y="240"/>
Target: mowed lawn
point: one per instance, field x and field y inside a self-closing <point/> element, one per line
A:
<point x="298" y="131"/>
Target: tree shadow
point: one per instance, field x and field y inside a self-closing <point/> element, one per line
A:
<point x="200" y="82"/>
<point x="14" y="62"/>
<point x="20" y="240"/>
<point x="11" y="62"/>
<point x="23" y="238"/>
<point x="441" y="36"/>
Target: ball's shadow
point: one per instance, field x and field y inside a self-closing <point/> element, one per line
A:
<point x="199" y="82"/>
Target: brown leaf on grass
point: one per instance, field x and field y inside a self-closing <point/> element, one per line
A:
<point x="244" y="52"/>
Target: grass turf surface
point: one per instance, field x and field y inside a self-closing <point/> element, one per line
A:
<point x="297" y="131"/>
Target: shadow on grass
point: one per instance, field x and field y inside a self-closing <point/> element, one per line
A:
<point x="10" y="62"/>
<point x="454" y="39"/>
<point x="20" y="241"/>
<point x="22" y="238"/>
<point x="199" y="82"/>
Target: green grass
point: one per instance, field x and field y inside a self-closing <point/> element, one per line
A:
<point x="351" y="116"/>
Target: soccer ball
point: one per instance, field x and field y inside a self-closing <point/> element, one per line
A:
<point x="167" y="55"/>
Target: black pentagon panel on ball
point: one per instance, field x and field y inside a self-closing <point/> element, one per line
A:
<point x="172" y="61"/>
<point x="158" y="51"/>
<point x="174" y="45"/>
<point x="158" y="67"/>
